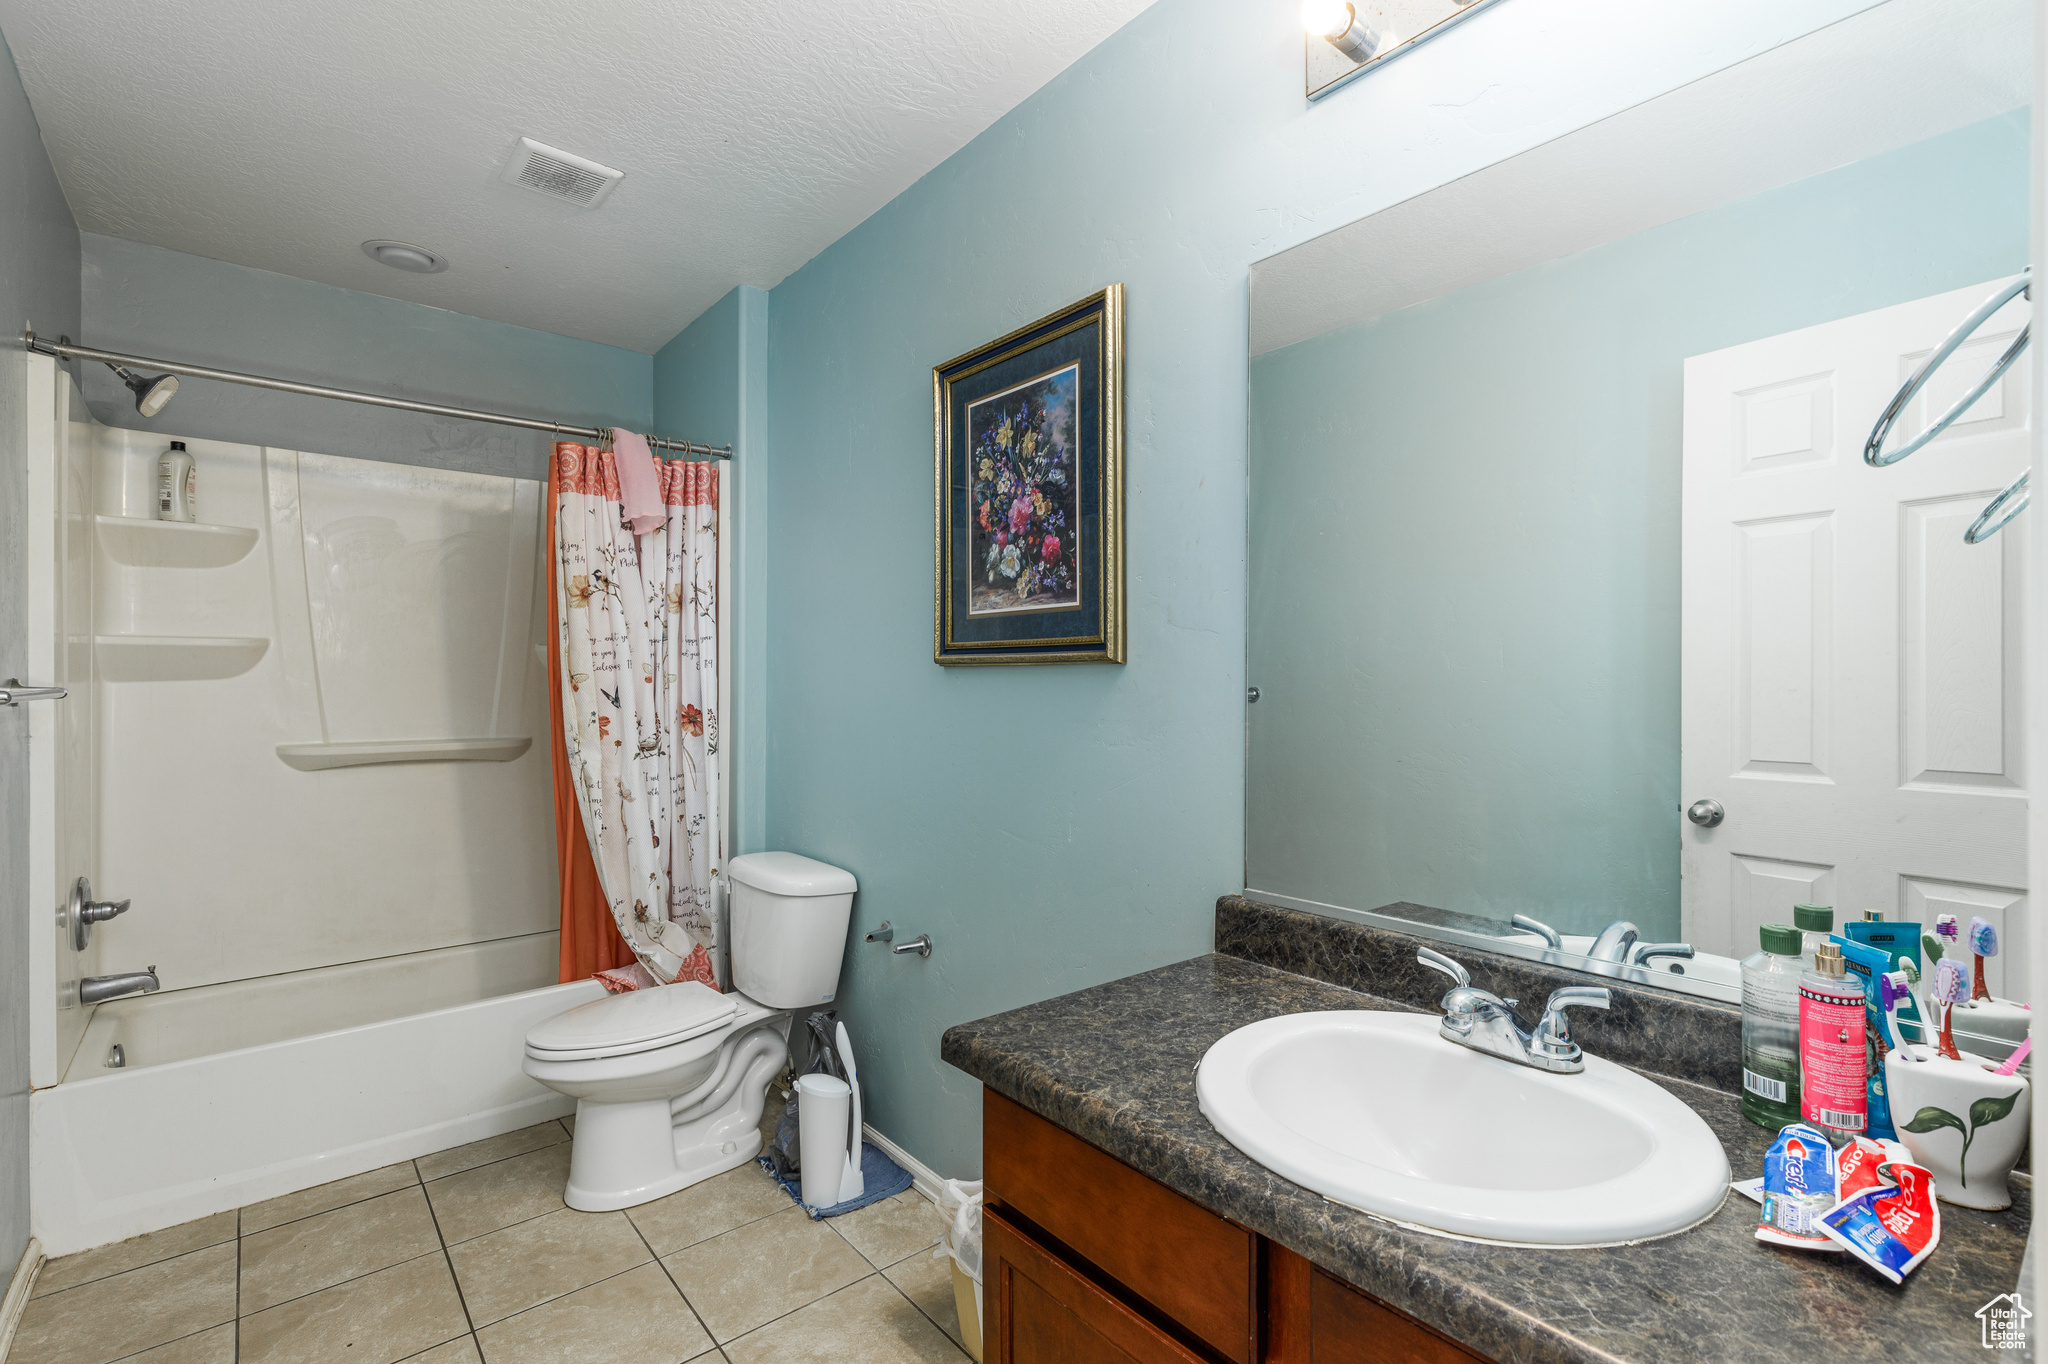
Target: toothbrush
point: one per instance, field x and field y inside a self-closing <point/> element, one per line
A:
<point x="1936" y="946"/>
<point x="1951" y="989"/>
<point x="1983" y="943"/>
<point x="1914" y="996"/>
<point x="2019" y="1054"/>
<point x="1893" y="987"/>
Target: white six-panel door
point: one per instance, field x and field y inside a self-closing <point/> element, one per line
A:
<point x="1851" y="669"/>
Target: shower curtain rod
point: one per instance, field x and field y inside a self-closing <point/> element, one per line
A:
<point x="63" y="349"/>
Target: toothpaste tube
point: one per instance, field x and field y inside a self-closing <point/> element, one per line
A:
<point x="1868" y="964"/>
<point x="1860" y="1165"/>
<point x="1902" y="941"/>
<point x="1891" y="1230"/>
<point x="1799" y="1185"/>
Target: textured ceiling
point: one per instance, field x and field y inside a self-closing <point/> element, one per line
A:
<point x="283" y="135"/>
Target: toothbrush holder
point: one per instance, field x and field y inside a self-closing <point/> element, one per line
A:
<point x="1963" y="1121"/>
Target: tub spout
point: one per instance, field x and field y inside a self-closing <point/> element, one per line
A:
<point x="94" y="989"/>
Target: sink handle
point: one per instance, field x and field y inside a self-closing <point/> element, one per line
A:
<point x="1553" y="1036"/>
<point x="1642" y="952"/>
<point x="1437" y="961"/>
<point x="1539" y="928"/>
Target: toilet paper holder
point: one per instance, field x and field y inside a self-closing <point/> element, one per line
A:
<point x="921" y="944"/>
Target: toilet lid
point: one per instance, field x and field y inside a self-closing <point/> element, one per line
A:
<point x="637" y="1020"/>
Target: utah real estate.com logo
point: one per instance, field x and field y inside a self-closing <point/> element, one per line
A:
<point x="2005" y="1322"/>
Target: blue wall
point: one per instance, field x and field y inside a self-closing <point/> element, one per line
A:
<point x="38" y="283"/>
<point x="710" y="386"/>
<point x="1056" y="827"/>
<point x="148" y="300"/>
<point x="1465" y="533"/>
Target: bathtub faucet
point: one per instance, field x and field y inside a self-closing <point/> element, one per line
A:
<point x="93" y="989"/>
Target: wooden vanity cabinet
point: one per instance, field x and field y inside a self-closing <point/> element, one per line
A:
<point x="1087" y="1261"/>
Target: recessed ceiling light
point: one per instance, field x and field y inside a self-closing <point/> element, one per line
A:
<point x="405" y="256"/>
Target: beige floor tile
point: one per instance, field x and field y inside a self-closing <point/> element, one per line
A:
<point x="316" y="1252"/>
<point x="291" y="1207"/>
<point x="502" y="1147"/>
<point x="497" y="1195"/>
<point x="216" y="1346"/>
<point x="928" y="1282"/>
<point x="521" y="1266"/>
<point x="712" y="1208"/>
<point x="892" y="1229"/>
<point x="462" y="1350"/>
<point x="568" y="1124"/>
<point x="760" y="1271"/>
<point x="380" y="1318"/>
<point x="125" y="1313"/>
<point x="133" y="1253"/>
<point x="869" y="1323"/>
<point x="632" y="1318"/>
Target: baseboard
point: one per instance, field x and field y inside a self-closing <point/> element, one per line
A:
<point x="18" y="1288"/>
<point x="923" y="1177"/>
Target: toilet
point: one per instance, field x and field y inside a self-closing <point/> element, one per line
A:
<point x="669" y="1082"/>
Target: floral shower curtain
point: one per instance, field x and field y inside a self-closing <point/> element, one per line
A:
<point x="636" y="619"/>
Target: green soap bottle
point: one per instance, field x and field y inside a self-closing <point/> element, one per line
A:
<point x="1770" y="1028"/>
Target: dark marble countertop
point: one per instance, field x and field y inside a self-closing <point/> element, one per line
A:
<point x="1115" y="1066"/>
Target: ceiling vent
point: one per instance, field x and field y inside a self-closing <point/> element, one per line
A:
<point x="560" y="175"/>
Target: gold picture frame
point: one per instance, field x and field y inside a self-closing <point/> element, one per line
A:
<point x="1028" y="557"/>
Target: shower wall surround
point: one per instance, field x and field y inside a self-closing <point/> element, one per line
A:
<point x="380" y="604"/>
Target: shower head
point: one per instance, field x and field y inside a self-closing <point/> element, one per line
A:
<point x="150" y="394"/>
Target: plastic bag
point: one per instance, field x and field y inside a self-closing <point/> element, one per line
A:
<point x="960" y="1199"/>
<point x="783" y="1151"/>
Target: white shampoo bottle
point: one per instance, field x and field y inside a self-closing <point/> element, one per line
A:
<point x="177" y="485"/>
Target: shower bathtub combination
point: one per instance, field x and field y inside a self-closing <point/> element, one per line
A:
<point x="350" y="901"/>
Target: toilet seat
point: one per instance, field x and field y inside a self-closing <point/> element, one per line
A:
<point x="637" y="1021"/>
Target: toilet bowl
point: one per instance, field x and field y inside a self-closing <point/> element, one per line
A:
<point x="669" y="1082"/>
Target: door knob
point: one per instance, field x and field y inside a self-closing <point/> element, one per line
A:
<point x="1706" y="813"/>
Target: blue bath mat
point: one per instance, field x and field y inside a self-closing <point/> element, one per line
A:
<point x="881" y="1178"/>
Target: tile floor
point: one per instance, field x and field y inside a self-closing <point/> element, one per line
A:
<point x="469" y="1255"/>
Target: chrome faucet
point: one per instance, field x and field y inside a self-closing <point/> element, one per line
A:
<point x="1619" y="944"/>
<point x="1485" y="1022"/>
<point x="95" y="989"/>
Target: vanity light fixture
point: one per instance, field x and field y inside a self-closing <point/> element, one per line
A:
<point x="1341" y="41"/>
<point x="405" y="256"/>
<point x="1337" y="23"/>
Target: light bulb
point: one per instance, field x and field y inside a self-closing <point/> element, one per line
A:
<point x="1325" y="18"/>
<point x="1338" y="24"/>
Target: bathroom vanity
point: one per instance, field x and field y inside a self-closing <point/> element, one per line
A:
<point x="1085" y="1258"/>
<point x="1122" y="1226"/>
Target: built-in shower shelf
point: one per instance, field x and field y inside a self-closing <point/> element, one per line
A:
<point x="174" y="544"/>
<point x="321" y="757"/>
<point x="177" y="658"/>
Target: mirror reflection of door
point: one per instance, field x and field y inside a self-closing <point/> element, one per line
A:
<point x="1851" y="668"/>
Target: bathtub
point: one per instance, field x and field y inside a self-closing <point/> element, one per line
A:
<point x="240" y="1092"/>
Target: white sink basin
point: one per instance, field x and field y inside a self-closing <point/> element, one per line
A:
<point x="1375" y="1111"/>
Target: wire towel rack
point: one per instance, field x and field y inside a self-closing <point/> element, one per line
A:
<point x="2000" y="511"/>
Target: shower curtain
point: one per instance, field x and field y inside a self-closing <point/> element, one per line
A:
<point x="636" y="621"/>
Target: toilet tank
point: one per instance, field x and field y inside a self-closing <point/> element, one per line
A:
<point x="788" y="917"/>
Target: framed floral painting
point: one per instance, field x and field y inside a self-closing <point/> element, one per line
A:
<point x="1029" y="493"/>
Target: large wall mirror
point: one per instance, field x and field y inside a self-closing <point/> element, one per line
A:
<point x="1560" y="521"/>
